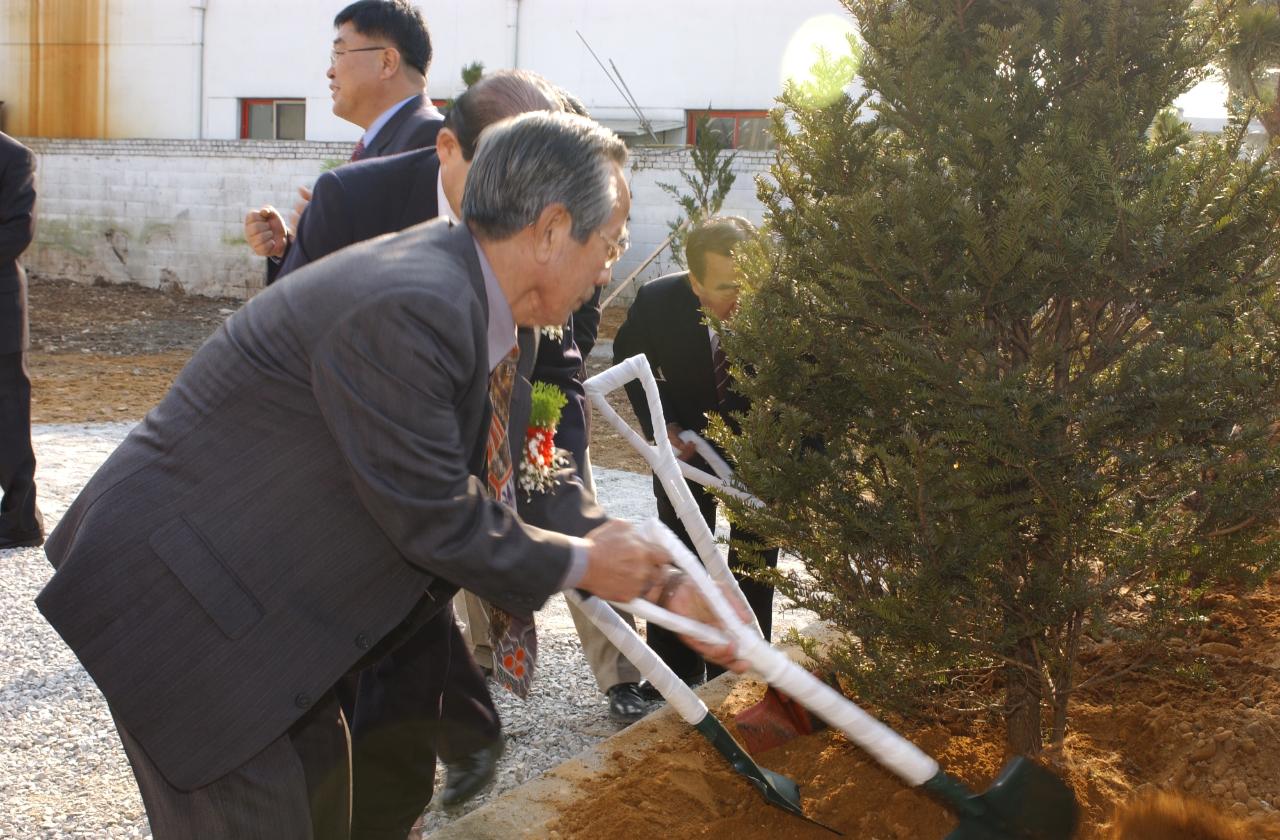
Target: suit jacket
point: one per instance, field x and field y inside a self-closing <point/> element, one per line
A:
<point x="414" y="126"/>
<point x="309" y="476"/>
<point x="372" y="197"/>
<point x="362" y="200"/>
<point x="666" y="324"/>
<point x="17" y="199"/>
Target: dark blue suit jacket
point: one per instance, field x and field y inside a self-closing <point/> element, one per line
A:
<point x="414" y="126"/>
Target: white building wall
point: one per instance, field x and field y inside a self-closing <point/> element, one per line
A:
<point x="673" y="54"/>
<point x="152" y="60"/>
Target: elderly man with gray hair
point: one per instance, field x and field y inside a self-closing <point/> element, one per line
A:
<point x="315" y="486"/>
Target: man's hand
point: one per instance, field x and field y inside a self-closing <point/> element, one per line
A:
<point x="265" y="231"/>
<point x="681" y="596"/>
<point x="622" y="565"/>
<point x="684" y="449"/>
<point x="303" y="200"/>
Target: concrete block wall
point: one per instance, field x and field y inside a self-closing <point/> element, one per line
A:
<point x="169" y="213"/>
<point x="163" y="213"/>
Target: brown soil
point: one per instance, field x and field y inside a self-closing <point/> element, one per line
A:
<point x="1202" y="719"/>
<point x="110" y="352"/>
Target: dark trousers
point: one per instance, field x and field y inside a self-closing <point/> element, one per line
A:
<point x="298" y="788"/>
<point x="18" y="513"/>
<point x="425" y="697"/>
<point x="687" y="664"/>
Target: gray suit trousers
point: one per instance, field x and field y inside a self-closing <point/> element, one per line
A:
<point x="298" y="788"/>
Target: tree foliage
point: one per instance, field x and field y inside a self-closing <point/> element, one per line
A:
<point x="1013" y="350"/>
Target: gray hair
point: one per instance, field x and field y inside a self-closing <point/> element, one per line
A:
<point x="527" y="163"/>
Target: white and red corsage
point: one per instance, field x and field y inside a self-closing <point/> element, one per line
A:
<point x="541" y="459"/>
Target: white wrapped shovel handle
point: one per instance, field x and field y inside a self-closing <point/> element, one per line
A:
<point x="896" y="753"/>
<point x="662" y="460"/>
<point x="649" y="664"/>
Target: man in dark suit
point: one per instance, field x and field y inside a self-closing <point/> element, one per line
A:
<point x="20" y="520"/>
<point x="378" y="78"/>
<point x="429" y="698"/>
<point x="669" y="324"/>
<point x="309" y="491"/>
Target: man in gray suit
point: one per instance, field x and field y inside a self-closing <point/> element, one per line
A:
<point x="309" y="491"/>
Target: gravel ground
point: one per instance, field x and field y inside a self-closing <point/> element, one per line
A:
<point x="62" y="771"/>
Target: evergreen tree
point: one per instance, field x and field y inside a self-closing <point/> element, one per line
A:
<point x="1012" y="352"/>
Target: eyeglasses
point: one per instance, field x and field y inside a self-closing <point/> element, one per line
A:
<point x="615" y="249"/>
<point x="334" y="55"/>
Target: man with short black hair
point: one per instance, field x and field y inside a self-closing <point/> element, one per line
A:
<point x="378" y="79"/>
<point x="673" y="323"/>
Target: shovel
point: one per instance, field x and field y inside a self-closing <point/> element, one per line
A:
<point x="1026" y="801"/>
<point x="777" y="789"/>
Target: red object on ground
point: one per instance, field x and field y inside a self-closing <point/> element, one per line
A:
<point x="773" y="721"/>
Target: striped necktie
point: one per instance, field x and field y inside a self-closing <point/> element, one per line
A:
<point x="358" y="152"/>
<point x="513" y="637"/>
<point x="720" y="369"/>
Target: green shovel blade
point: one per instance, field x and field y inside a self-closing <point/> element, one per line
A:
<point x="1025" y="802"/>
<point x="777" y="789"/>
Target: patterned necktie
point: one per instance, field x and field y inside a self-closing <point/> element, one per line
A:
<point x="720" y="369"/>
<point x="513" y="637"/>
<point x="358" y="152"/>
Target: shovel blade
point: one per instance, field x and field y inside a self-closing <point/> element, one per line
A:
<point x="1025" y="802"/>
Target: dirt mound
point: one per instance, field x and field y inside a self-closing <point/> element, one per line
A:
<point x="1200" y="717"/>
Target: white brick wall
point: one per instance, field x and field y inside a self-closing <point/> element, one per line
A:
<point x="166" y="213"/>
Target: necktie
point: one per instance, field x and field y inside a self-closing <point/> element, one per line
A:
<point x="513" y="637"/>
<point x="720" y="368"/>
<point x="358" y="152"/>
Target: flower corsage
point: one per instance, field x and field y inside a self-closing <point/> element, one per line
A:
<point x="541" y="458"/>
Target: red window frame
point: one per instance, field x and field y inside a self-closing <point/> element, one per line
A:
<point x="272" y="101"/>
<point x="692" y="118"/>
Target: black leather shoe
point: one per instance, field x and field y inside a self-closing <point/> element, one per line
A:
<point x="625" y="703"/>
<point x="470" y="774"/>
<point x="21" y="539"/>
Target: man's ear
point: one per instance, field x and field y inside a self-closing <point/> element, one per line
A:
<point x="551" y="232"/>
<point x="447" y="145"/>
<point x="390" y="62"/>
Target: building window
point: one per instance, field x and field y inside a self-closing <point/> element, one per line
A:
<point x="273" y="119"/>
<point x="735" y="129"/>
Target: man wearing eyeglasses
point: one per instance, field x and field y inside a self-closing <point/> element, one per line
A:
<point x="378" y="80"/>
<point x="674" y="322"/>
